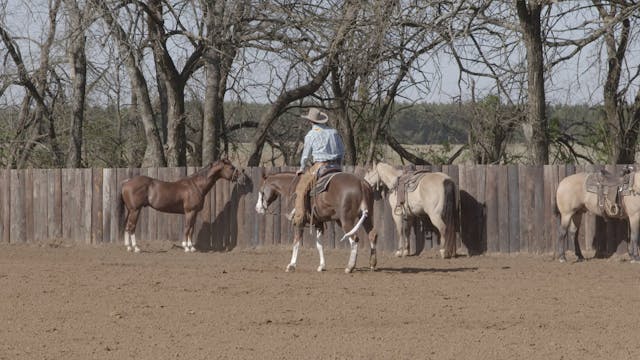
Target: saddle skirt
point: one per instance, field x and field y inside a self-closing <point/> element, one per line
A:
<point x="407" y="183"/>
<point x="610" y="189"/>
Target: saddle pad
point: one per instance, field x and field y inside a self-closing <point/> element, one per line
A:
<point x="322" y="183"/>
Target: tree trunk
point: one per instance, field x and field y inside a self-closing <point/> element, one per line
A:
<point x="78" y="61"/>
<point x="529" y="16"/>
<point x="621" y="130"/>
<point x="154" y="155"/>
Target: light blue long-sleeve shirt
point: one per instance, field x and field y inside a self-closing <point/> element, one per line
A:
<point x="323" y="143"/>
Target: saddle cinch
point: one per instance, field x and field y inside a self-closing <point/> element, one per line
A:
<point x="611" y="189"/>
<point x="406" y="183"/>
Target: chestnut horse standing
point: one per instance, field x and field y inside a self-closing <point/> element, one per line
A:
<point x="435" y="196"/>
<point x="185" y="196"/>
<point x="348" y="200"/>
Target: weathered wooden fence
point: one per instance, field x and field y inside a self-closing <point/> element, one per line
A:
<point x="504" y="209"/>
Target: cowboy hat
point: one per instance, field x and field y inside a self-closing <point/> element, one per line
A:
<point x="316" y="116"/>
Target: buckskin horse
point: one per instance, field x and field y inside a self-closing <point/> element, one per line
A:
<point x="347" y="200"/>
<point x="185" y="196"/>
<point x="603" y="194"/>
<point x="435" y="195"/>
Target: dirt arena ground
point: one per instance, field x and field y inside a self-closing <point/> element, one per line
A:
<point x="100" y="302"/>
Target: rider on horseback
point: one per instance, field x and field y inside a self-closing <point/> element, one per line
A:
<point x="325" y="146"/>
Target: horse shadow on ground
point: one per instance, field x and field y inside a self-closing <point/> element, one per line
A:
<point x="222" y="234"/>
<point x="415" y="270"/>
<point x="608" y="237"/>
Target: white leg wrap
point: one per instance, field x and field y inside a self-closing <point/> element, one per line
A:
<point x="294" y="257"/>
<point x="320" y="248"/>
<point x="353" y="256"/>
<point x="190" y="245"/>
<point x="133" y="243"/>
<point x="127" y="241"/>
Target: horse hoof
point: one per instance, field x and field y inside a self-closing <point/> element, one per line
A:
<point x="348" y="271"/>
<point x="291" y="268"/>
<point x="635" y="260"/>
<point x="192" y="249"/>
<point x="129" y="248"/>
<point x="562" y="260"/>
<point x="136" y="250"/>
<point x="186" y="249"/>
<point x="398" y="253"/>
<point x="373" y="268"/>
<point x="321" y="268"/>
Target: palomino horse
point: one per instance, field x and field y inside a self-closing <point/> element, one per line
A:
<point x="348" y="200"/>
<point x="435" y="196"/>
<point x="185" y="196"/>
<point x="573" y="199"/>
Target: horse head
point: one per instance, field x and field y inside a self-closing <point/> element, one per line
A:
<point x="225" y="169"/>
<point x="266" y="195"/>
<point x="373" y="177"/>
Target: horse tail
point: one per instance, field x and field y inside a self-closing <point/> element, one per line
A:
<point x="450" y="216"/>
<point x="121" y="209"/>
<point x="366" y="208"/>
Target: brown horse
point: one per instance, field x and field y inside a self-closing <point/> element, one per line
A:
<point x="573" y="200"/>
<point x="348" y="200"/>
<point x="185" y="196"/>
<point x="434" y="196"/>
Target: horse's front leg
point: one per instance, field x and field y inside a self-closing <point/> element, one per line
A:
<point x="297" y="238"/>
<point x="189" y="222"/>
<point x="130" y="231"/>
<point x="634" y="224"/>
<point x="320" y="247"/>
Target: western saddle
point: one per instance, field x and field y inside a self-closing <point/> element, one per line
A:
<point x="611" y="189"/>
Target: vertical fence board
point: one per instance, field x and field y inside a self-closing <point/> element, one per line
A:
<point x="514" y="208"/>
<point x="526" y="206"/>
<point x="503" y="209"/>
<point x="5" y="216"/>
<point x="17" y="206"/>
<point x="491" y="197"/>
<point x="537" y="176"/>
<point x="96" y="206"/>
<point x="40" y="205"/>
<point x="28" y="206"/>
<point x="108" y="200"/>
<point x="54" y="204"/>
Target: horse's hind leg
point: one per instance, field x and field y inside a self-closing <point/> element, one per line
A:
<point x="130" y="230"/>
<point x="569" y="225"/>
<point x="442" y="235"/>
<point x="574" y="228"/>
<point x="320" y="247"/>
<point x="373" y="239"/>
<point x="403" y="230"/>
